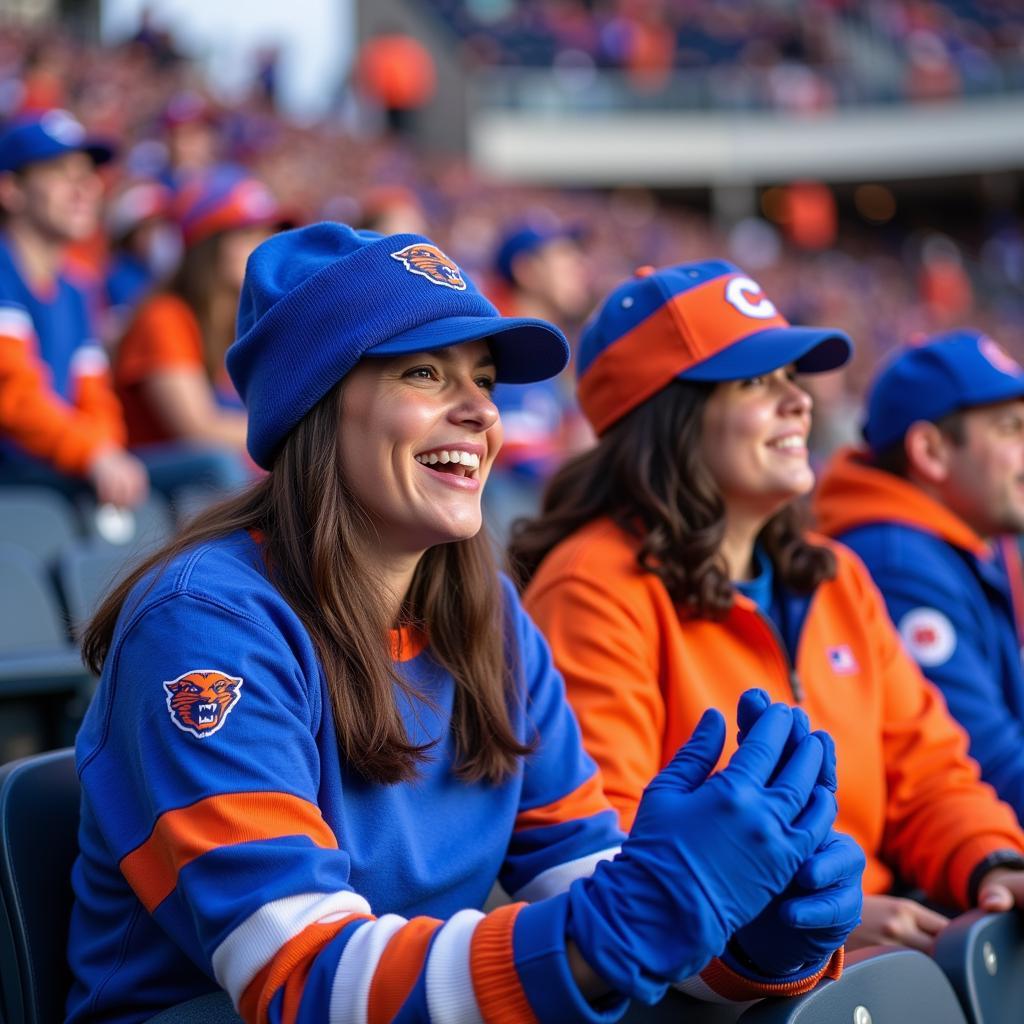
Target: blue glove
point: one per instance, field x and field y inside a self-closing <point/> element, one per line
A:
<point x="705" y="855"/>
<point x="802" y="926"/>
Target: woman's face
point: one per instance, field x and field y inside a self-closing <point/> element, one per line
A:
<point x="754" y="442"/>
<point x="417" y="438"/>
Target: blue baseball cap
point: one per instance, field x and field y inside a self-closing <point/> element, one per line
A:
<point x="46" y="136"/>
<point x="528" y="238"/>
<point x="951" y="371"/>
<point x="318" y="299"/>
<point x="704" y="321"/>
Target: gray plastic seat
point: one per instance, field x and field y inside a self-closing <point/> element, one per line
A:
<point x="38" y="519"/>
<point x="880" y="985"/>
<point x="215" y="1008"/>
<point x="39" y="809"/>
<point x="36" y="655"/>
<point x="983" y="956"/>
<point x="87" y="572"/>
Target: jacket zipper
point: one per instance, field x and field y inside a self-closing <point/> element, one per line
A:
<point x="795" y="686"/>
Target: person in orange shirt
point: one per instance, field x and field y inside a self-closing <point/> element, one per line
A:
<point x="184" y="418"/>
<point x="670" y="571"/>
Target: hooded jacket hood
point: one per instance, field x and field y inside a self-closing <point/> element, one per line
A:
<point x="854" y="493"/>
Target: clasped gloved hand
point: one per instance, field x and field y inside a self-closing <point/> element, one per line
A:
<point x="705" y="855"/>
<point x="804" y="924"/>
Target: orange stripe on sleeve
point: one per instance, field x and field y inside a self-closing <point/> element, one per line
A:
<point x="584" y="801"/>
<point x="182" y="835"/>
<point x="398" y="968"/>
<point x="290" y="967"/>
<point x="499" y="992"/>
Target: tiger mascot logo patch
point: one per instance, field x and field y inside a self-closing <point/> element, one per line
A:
<point x="428" y="261"/>
<point x="200" y="700"/>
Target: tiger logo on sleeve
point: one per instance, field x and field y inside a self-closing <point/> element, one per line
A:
<point x="200" y="700"/>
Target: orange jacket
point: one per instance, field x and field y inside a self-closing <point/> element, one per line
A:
<point x="640" y="673"/>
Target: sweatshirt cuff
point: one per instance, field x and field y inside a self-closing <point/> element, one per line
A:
<point x="539" y="942"/>
<point x="719" y="982"/>
<point x="967" y="859"/>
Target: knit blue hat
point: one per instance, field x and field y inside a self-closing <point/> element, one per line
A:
<point x="318" y="299"/>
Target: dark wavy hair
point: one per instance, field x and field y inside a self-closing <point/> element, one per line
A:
<point x="646" y="474"/>
<point x="319" y="548"/>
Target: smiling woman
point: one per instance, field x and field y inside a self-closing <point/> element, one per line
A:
<point x="669" y="568"/>
<point x="331" y="727"/>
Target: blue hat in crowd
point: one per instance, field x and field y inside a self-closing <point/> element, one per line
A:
<point x="527" y="238"/>
<point x="318" y="299"/>
<point x="702" y="321"/>
<point x="951" y="371"/>
<point x="31" y="140"/>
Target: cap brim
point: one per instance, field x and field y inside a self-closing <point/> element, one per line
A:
<point x="525" y="350"/>
<point x="810" y="349"/>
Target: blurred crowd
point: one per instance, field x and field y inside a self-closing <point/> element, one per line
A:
<point x="184" y="158"/>
<point x="806" y="56"/>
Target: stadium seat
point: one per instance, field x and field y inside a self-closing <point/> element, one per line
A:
<point x="880" y="985"/>
<point x="87" y="571"/>
<point x="39" y="801"/>
<point x="35" y="653"/>
<point x="983" y="956"/>
<point x="38" y="519"/>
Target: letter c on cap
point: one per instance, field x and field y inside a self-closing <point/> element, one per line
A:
<point x="736" y="292"/>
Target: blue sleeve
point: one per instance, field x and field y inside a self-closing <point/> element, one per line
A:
<point x="944" y="633"/>
<point x="565" y="823"/>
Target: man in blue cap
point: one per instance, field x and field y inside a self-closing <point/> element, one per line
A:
<point x="60" y="421"/>
<point x="925" y="506"/>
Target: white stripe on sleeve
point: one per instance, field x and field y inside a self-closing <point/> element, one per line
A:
<point x="255" y="942"/>
<point x="15" y="322"/>
<point x="89" y="361"/>
<point x="557" y="879"/>
<point x="350" y="990"/>
<point x="450" y="995"/>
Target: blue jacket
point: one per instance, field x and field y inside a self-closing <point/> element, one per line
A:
<point x="950" y="595"/>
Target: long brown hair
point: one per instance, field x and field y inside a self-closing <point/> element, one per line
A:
<point x="646" y="474"/>
<point x="196" y="283"/>
<point x="318" y="547"/>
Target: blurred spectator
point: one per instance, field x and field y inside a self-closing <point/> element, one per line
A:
<point x="192" y="133"/>
<point x="184" y="418"/>
<point x="62" y="423"/>
<point x="393" y="210"/>
<point x="396" y="73"/>
<point x="145" y="248"/>
<point x="541" y="273"/>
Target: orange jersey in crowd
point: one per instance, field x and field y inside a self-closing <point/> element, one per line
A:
<point x="640" y="673"/>
<point x="165" y="335"/>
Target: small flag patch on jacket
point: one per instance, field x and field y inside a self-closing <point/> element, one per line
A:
<point x="842" y="660"/>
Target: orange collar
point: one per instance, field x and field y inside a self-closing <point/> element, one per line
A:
<point x="854" y="493"/>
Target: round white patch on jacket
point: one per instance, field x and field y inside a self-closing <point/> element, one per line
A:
<point x="929" y="636"/>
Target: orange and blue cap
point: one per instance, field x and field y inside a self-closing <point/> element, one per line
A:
<point x="695" y="321"/>
<point x="226" y="199"/>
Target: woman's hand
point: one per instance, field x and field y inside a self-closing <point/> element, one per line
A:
<point x="894" y="921"/>
<point x="705" y="856"/>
